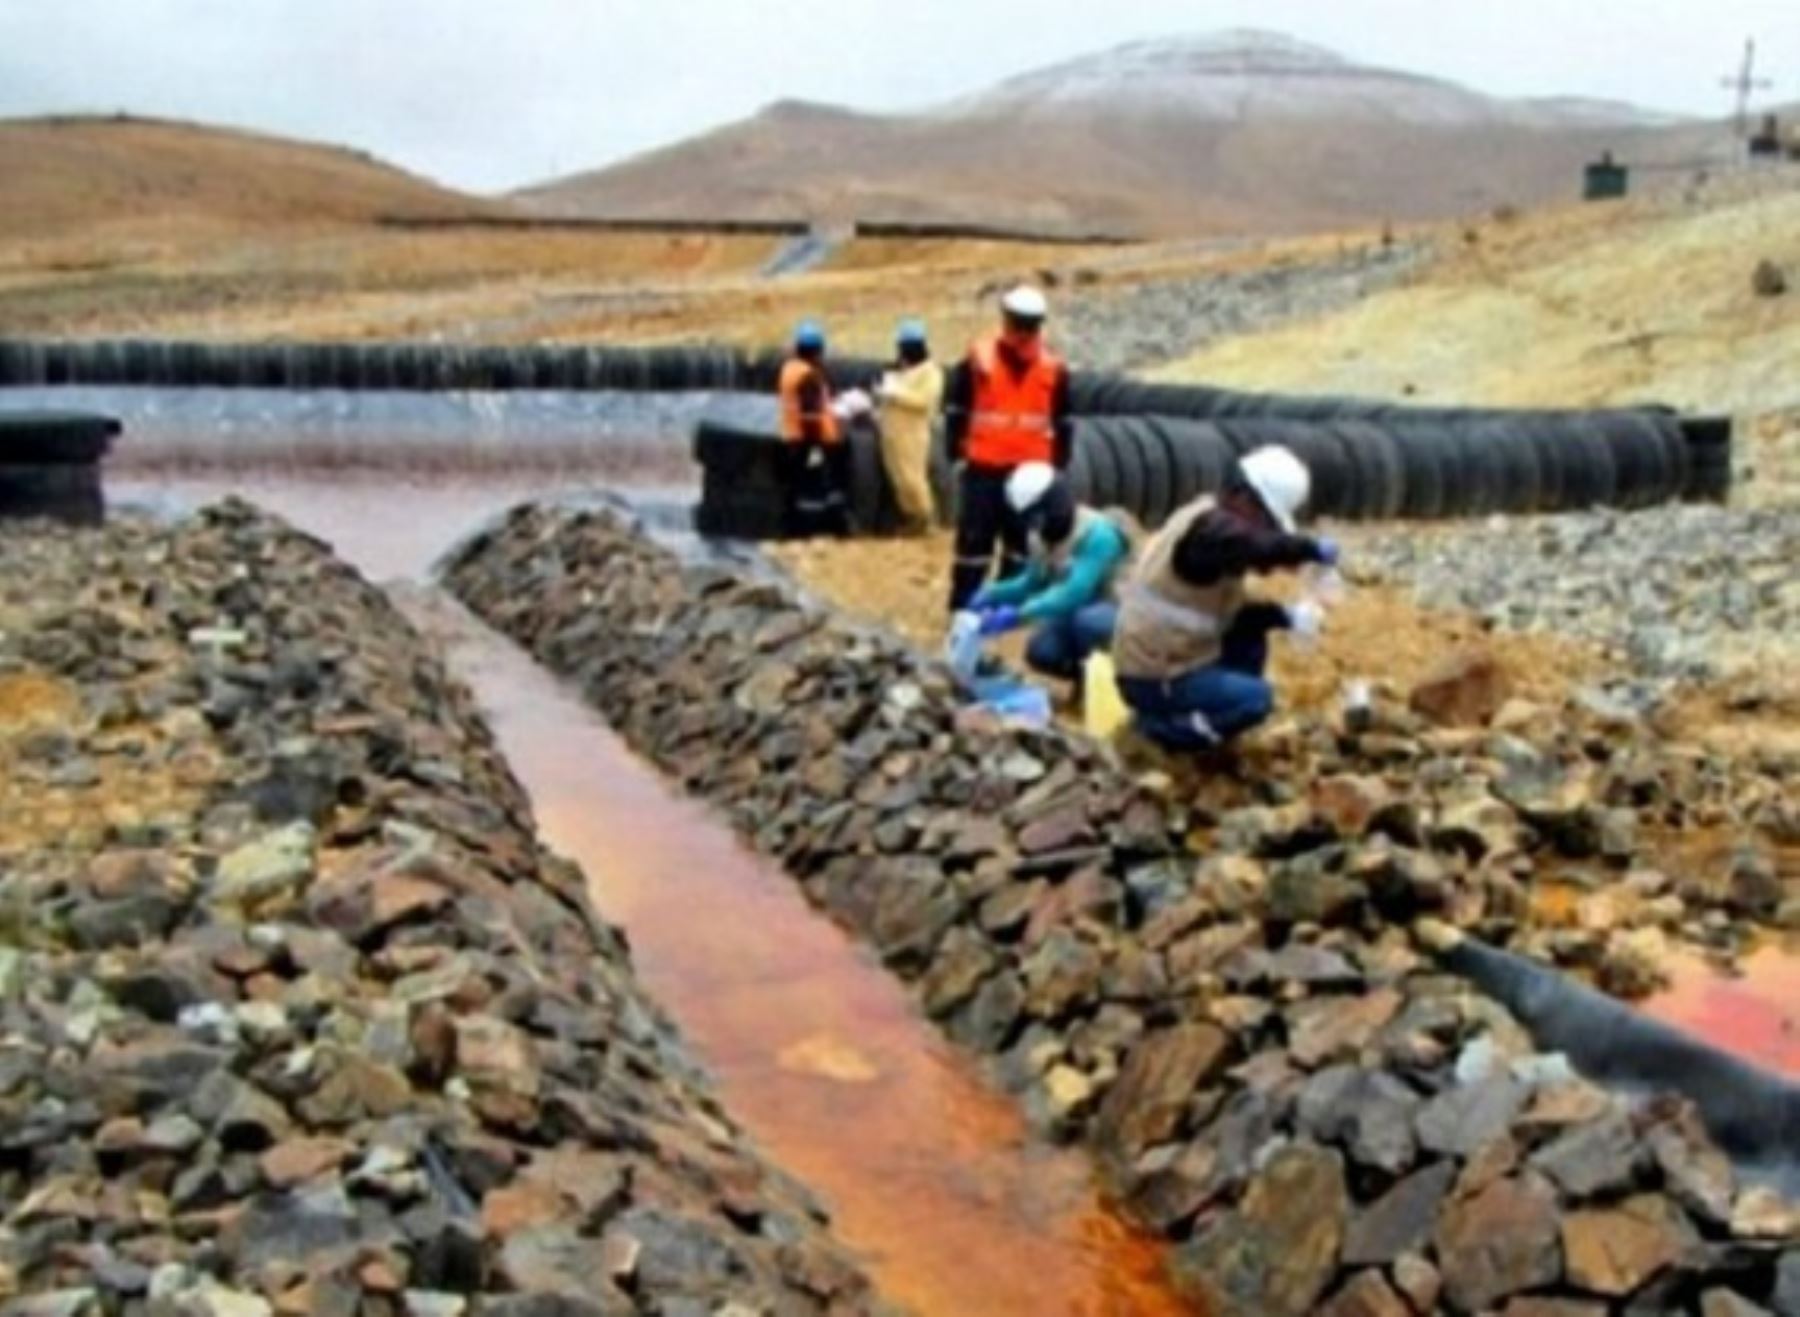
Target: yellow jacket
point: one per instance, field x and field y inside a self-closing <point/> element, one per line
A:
<point x="911" y="398"/>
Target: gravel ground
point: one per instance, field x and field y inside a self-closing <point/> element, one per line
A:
<point x="1692" y="593"/>
<point x="1160" y="322"/>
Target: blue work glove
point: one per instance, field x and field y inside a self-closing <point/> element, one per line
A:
<point x="1329" y="552"/>
<point x="998" y="621"/>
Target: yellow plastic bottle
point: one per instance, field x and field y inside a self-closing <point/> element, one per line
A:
<point x="1103" y="708"/>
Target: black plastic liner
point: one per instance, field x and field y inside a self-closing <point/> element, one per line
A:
<point x="1753" y="1114"/>
<point x="1148" y="447"/>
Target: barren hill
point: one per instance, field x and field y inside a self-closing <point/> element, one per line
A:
<point x="63" y="173"/>
<point x="1235" y="131"/>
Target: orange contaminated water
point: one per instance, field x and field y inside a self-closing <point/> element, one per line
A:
<point x="1754" y="1013"/>
<point x="927" y="1170"/>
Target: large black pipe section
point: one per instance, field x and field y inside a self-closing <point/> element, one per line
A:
<point x="50" y="465"/>
<point x="1148" y="446"/>
<point x="1754" y="1115"/>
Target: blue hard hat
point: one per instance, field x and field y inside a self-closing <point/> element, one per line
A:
<point x="910" y="332"/>
<point x="810" y="334"/>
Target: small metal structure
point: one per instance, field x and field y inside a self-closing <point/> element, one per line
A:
<point x="1606" y="179"/>
<point x="50" y="465"/>
<point x="1765" y="142"/>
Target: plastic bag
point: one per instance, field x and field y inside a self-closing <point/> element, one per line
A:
<point x="1016" y="701"/>
<point x="962" y="647"/>
<point x="1103" y="709"/>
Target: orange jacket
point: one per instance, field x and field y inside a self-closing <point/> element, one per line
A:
<point x="1012" y="417"/>
<point x="806" y="403"/>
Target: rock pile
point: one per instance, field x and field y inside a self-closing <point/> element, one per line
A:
<point x="1163" y="320"/>
<point x="1573" y="831"/>
<point x="296" y="1015"/>
<point x="1265" y="1068"/>
<point x="1674" y="592"/>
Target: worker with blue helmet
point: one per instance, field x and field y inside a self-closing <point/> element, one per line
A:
<point x="911" y="395"/>
<point x="818" y="460"/>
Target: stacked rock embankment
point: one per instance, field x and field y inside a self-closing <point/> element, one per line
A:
<point x="296" y="1014"/>
<point x="1266" y="1069"/>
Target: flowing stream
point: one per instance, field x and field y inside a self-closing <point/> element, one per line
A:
<point x="927" y="1170"/>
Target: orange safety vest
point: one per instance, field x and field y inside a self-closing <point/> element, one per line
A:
<point x="1012" y="417"/>
<point x="795" y="375"/>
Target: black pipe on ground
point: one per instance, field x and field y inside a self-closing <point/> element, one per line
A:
<point x="1752" y="1114"/>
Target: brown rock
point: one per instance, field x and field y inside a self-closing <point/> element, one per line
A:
<point x="1635" y="963"/>
<point x="1499" y="1243"/>
<point x="1465" y="692"/>
<point x="1173" y="1183"/>
<point x="1063" y="971"/>
<point x="356" y="1089"/>
<point x="1064" y="827"/>
<point x="1327" y="1029"/>
<point x="1724" y="1303"/>
<point x="1553" y="1308"/>
<point x="1768" y="279"/>
<point x="1350" y="803"/>
<point x="295" y="1161"/>
<point x="363" y="905"/>
<point x="1367" y="1295"/>
<point x="432" y="1034"/>
<point x="492" y="1053"/>
<point x="1612" y="1251"/>
<point x="1205" y="951"/>
<point x="1761" y="1213"/>
<point x="1145" y="1105"/>
<point x="523" y="1205"/>
<point x="1088" y="894"/>
<point x="384" y="1273"/>
<point x="1419" y="1281"/>
<point x="1493" y="1160"/>
<point x="963" y="960"/>
<point x="1574" y="1103"/>
<point x="1275" y="1255"/>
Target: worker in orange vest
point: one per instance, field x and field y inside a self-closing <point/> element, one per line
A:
<point x="1008" y="405"/>
<point x="818" y="460"/>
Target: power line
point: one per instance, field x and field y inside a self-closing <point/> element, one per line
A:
<point x="1746" y="84"/>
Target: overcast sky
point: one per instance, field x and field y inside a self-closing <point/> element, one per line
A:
<point x="489" y="94"/>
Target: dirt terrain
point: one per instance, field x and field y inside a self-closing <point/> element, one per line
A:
<point x="1582" y="307"/>
<point x="127" y="228"/>
<point x="63" y="173"/>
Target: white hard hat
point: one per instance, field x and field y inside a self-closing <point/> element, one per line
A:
<point x="1027" y="484"/>
<point x="1025" y="302"/>
<point x="1280" y="480"/>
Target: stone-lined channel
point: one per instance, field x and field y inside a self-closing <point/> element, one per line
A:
<point x="818" y="1052"/>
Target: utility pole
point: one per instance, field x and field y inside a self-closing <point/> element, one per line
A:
<point x="1745" y="84"/>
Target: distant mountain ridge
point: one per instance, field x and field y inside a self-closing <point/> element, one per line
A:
<point x="1220" y="132"/>
<point x="1245" y="73"/>
<point x="63" y="172"/>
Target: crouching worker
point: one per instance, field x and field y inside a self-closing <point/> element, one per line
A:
<point x="1192" y="648"/>
<point x="1065" y="588"/>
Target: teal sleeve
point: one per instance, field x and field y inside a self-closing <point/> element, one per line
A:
<point x="1014" y="590"/>
<point x="1095" y="561"/>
